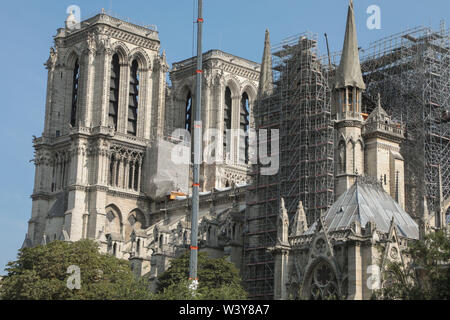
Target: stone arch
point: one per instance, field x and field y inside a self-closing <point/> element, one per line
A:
<point x="141" y="220"/>
<point x="321" y="280"/>
<point x="142" y="58"/>
<point x="350" y="155"/>
<point x="114" y="220"/>
<point x="71" y="57"/>
<point x="342" y="155"/>
<point x="136" y="221"/>
<point x="185" y="92"/>
<point x="251" y="91"/>
<point x="122" y="51"/>
<point x="233" y="83"/>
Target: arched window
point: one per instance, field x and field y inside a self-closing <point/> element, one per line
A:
<point x="350" y="99"/>
<point x="111" y="171"/>
<point x="227" y="121"/>
<point x="114" y="92"/>
<point x="341" y="155"/>
<point x="161" y="241"/>
<point x="188" y="112"/>
<point x="115" y="249"/>
<point x="323" y="285"/>
<point x="133" y="99"/>
<point x="76" y="77"/>
<point x="136" y="177"/>
<point x="244" y="124"/>
<point x="138" y="247"/>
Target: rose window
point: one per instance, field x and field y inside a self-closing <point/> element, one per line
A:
<point x="323" y="283"/>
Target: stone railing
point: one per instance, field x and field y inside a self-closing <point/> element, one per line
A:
<point x="396" y="129"/>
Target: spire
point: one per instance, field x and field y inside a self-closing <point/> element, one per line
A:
<point x="349" y="71"/>
<point x="300" y="225"/>
<point x="282" y="224"/>
<point x="266" y="76"/>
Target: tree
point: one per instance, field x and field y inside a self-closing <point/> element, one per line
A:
<point x="428" y="275"/>
<point x="218" y="280"/>
<point x="41" y="273"/>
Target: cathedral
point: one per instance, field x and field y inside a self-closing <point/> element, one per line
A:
<point x="104" y="169"/>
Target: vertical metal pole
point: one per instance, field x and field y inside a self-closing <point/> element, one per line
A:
<point x="197" y="144"/>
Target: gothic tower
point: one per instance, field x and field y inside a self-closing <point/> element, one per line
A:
<point x="229" y="94"/>
<point x="347" y="91"/>
<point x="105" y="105"/>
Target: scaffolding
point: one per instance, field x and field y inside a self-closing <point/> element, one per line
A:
<point x="300" y="108"/>
<point x="411" y="71"/>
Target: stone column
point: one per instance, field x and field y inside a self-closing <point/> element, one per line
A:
<point x="124" y="92"/>
<point x="281" y="260"/>
<point x="354" y="272"/>
<point x="87" y="74"/>
<point x="133" y="169"/>
<point x="101" y="85"/>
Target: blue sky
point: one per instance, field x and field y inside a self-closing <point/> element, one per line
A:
<point x="235" y="26"/>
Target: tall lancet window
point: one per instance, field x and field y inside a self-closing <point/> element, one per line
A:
<point x="133" y="99"/>
<point x="76" y="77"/>
<point x="244" y="124"/>
<point x="114" y="92"/>
<point x="227" y="123"/>
<point x="188" y="113"/>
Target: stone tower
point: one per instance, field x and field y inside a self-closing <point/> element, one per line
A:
<point x="105" y="104"/>
<point x="382" y="139"/>
<point x="229" y="94"/>
<point x="347" y="91"/>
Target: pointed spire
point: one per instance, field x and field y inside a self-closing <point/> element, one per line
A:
<point x="266" y="75"/>
<point x="300" y="224"/>
<point x="349" y="71"/>
<point x="282" y="224"/>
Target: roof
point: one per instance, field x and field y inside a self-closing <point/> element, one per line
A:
<point x="349" y="71"/>
<point x="365" y="202"/>
<point x="378" y="113"/>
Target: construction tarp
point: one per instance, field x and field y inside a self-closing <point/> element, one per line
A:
<point x="166" y="168"/>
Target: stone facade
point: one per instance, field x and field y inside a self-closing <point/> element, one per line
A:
<point x="108" y="110"/>
<point x="229" y="86"/>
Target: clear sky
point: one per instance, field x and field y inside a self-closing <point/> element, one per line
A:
<point x="235" y="26"/>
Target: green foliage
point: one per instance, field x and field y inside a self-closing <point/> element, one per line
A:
<point x="218" y="280"/>
<point x="40" y="273"/>
<point x="427" y="277"/>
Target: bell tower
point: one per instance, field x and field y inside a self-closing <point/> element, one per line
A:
<point x="348" y="86"/>
<point x="105" y="105"/>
